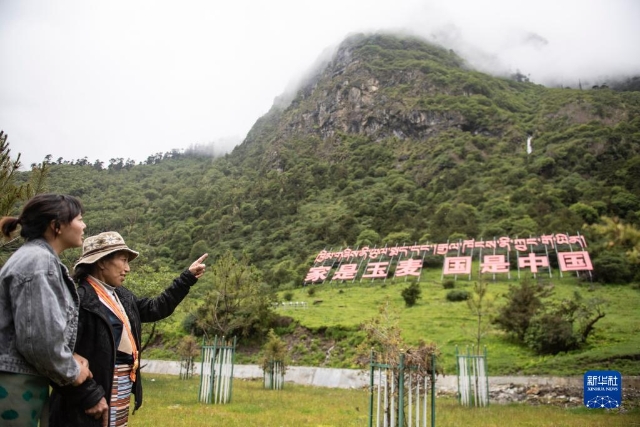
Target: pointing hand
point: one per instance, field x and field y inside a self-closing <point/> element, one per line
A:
<point x="198" y="267"/>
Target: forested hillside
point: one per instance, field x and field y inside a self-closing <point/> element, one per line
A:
<point x="394" y="140"/>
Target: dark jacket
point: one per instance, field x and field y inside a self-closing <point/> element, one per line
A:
<point x="96" y="342"/>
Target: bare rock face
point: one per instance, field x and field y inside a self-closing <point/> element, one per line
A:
<point x="366" y="91"/>
<point x="405" y="92"/>
<point x="349" y="96"/>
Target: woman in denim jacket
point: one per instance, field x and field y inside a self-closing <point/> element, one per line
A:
<point x="39" y="309"/>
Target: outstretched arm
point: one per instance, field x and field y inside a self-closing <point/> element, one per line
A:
<point x="154" y="309"/>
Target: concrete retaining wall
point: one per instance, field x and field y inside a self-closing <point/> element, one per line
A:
<point x="352" y="378"/>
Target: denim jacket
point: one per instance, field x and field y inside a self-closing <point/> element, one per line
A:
<point x="38" y="314"/>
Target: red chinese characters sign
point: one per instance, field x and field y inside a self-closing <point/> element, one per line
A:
<point x="493" y="256"/>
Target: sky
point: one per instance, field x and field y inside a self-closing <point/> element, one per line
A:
<point x="128" y="79"/>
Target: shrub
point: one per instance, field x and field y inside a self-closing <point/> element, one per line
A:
<point x="550" y="333"/>
<point x="189" y="324"/>
<point x="449" y="284"/>
<point x="433" y="261"/>
<point x="282" y="325"/>
<point x="457" y="295"/>
<point x="274" y="349"/>
<point x="411" y="294"/>
<point x="188" y="347"/>
<point x="300" y="348"/>
<point x="288" y="296"/>
<point x="586" y="212"/>
<point x="564" y="327"/>
<point x="611" y="267"/>
<point x="311" y="291"/>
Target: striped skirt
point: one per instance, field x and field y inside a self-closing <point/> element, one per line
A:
<point x="120" y="394"/>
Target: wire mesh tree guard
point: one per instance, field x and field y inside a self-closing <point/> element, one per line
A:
<point x="274" y="375"/>
<point x="473" y="382"/>
<point x="216" y="371"/>
<point x="399" y="394"/>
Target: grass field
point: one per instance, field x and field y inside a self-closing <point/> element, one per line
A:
<point x="335" y="312"/>
<point x="169" y="401"/>
<point x="615" y="343"/>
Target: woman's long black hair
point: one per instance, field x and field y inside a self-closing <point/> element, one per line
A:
<point x="38" y="213"/>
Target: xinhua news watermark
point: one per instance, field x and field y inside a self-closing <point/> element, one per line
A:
<point x="602" y="389"/>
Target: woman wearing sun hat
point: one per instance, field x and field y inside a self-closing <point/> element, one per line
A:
<point x="109" y="333"/>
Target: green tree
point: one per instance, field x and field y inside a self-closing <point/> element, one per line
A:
<point x="12" y="193"/>
<point x="397" y="237"/>
<point x="612" y="267"/>
<point x="383" y="335"/>
<point x="588" y="214"/>
<point x="274" y="349"/>
<point x="523" y="303"/>
<point x="550" y="333"/>
<point x="239" y="301"/>
<point x="282" y="273"/>
<point x="200" y="247"/>
<point x="367" y="237"/>
<point x="384" y="339"/>
<point x="620" y="236"/>
<point x="481" y="306"/>
<point x="564" y="326"/>
<point x="188" y="349"/>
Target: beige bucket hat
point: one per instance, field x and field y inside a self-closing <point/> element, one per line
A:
<point x="101" y="245"/>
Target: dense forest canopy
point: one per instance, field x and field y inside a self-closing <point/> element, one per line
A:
<point x="394" y="140"/>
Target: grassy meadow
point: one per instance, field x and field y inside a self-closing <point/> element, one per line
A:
<point x="169" y="401"/>
<point x="338" y="309"/>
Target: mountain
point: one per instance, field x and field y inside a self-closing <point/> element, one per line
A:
<point x="446" y="147"/>
<point x="391" y="140"/>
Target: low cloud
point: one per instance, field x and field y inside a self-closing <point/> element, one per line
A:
<point x="128" y="79"/>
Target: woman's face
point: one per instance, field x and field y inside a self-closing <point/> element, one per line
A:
<point x="114" y="269"/>
<point x="70" y="235"/>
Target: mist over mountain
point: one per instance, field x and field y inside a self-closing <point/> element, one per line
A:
<point x="391" y="140"/>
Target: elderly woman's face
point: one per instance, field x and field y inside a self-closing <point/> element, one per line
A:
<point x="114" y="269"/>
